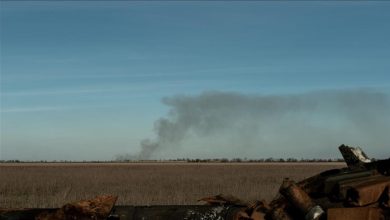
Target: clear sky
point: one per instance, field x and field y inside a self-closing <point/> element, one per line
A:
<point x="84" y="80"/>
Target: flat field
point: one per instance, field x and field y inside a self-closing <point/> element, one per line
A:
<point x="52" y="185"/>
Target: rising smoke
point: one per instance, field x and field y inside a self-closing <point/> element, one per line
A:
<point x="226" y="124"/>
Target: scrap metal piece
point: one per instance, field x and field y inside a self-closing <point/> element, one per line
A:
<point x="362" y="213"/>
<point x="367" y="192"/>
<point x="331" y="183"/>
<point x="354" y="156"/>
<point x="98" y="208"/>
<point x="256" y="215"/>
<point x="343" y="186"/>
<point x="356" y="159"/>
<point x="179" y="212"/>
<point x="223" y="200"/>
<point x="383" y="166"/>
<point x="23" y="214"/>
<point x="279" y="213"/>
<point x="315" y="213"/>
<point x="258" y="210"/>
<point x="386" y="199"/>
<point x="300" y="199"/>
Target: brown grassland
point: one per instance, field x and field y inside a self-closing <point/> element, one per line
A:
<point x="52" y="185"/>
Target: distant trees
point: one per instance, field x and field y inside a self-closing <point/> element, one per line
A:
<point x="191" y="160"/>
<point x="260" y="160"/>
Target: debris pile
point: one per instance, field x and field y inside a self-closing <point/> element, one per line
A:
<point x="358" y="192"/>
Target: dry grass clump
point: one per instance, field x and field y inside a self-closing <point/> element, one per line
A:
<point x="52" y="185"/>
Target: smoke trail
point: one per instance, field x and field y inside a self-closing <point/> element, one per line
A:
<point x="225" y="124"/>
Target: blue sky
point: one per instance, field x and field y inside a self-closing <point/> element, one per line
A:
<point x="84" y="80"/>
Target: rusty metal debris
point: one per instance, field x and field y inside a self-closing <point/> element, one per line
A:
<point x="95" y="209"/>
<point x="300" y="200"/>
<point x="98" y="208"/>
<point x="359" y="191"/>
<point x="360" y="213"/>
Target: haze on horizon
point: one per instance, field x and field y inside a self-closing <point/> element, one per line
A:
<point x="92" y="80"/>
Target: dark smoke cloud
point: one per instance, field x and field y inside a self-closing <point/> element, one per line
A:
<point x="226" y="124"/>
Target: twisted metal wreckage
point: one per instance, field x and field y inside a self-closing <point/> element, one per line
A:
<point x="359" y="191"/>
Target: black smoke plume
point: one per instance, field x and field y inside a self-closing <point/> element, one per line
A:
<point x="228" y="124"/>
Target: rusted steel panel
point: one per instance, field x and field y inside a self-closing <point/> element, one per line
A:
<point x="367" y="192"/>
<point x="344" y="186"/>
<point x="362" y="213"/>
<point x="333" y="181"/>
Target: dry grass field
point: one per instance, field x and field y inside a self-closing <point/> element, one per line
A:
<point x="52" y="185"/>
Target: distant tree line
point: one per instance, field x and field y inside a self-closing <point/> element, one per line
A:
<point x="189" y="160"/>
<point x="261" y="160"/>
<point x="57" y="161"/>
